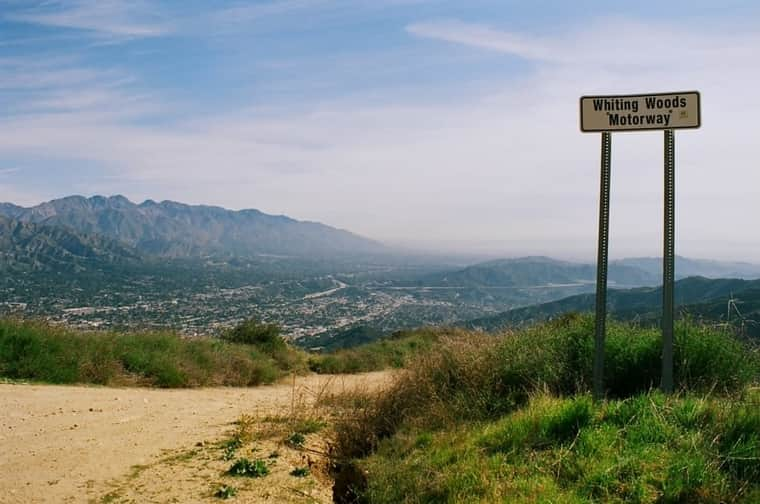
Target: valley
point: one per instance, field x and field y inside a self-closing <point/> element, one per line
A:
<point x="108" y="263"/>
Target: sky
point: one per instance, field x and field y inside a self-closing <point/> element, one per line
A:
<point x="432" y="124"/>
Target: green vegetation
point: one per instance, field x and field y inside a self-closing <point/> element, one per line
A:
<point x="300" y="472"/>
<point x="508" y="419"/>
<point x="266" y="338"/>
<point x="251" y="469"/>
<point x="225" y="492"/>
<point x="648" y="448"/>
<point x="43" y="352"/>
<point x="393" y="352"/>
<point x="296" y="440"/>
<point x="251" y="353"/>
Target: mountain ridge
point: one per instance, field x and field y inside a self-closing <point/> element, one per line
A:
<point x="697" y="296"/>
<point x="173" y="229"/>
<point x="28" y="246"/>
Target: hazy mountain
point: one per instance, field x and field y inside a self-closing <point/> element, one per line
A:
<point x="698" y="296"/>
<point x="536" y="271"/>
<point x="26" y="246"/>
<point x="685" y="267"/>
<point x="173" y="229"/>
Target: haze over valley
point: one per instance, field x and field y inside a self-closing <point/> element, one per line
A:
<point x="105" y="262"/>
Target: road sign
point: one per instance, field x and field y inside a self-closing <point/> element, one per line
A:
<point x="659" y="111"/>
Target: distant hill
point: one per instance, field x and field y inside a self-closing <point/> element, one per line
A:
<point x="698" y="296"/>
<point x="26" y="246"/>
<point x="177" y="230"/>
<point x="535" y="271"/>
<point x="686" y="267"/>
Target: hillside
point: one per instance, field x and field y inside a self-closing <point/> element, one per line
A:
<point x="697" y="296"/>
<point x="26" y="246"/>
<point x="509" y="418"/>
<point x="686" y="267"/>
<point x="172" y="229"/>
<point x="534" y="271"/>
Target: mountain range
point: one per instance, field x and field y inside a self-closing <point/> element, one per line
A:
<point x="26" y="246"/>
<point x="176" y="230"/>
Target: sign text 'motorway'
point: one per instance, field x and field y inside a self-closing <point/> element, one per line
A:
<point x="640" y="112"/>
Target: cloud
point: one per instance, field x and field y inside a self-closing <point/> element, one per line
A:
<point x="115" y="19"/>
<point x="506" y="167"/>
<point x="610" y="42"/>
<point x="484" y="37"/>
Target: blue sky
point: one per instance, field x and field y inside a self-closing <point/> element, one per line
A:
<point x="435" y="124"/>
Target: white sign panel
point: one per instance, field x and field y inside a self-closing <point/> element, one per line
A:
<point x="658" y="111"/>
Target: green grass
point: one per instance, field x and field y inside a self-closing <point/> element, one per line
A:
<point x="38" y="351"/>
<point x="508" y="419"/>
<point x="647" y="449"/>
<point x="393" y="352"/>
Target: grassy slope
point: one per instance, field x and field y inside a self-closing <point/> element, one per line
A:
<point x="41" y="352"/>
<point x="38" y="351"/>
<point x="508" y="419"/>
<point x="394" y="352"/>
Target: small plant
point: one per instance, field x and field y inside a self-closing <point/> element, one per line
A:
<point x="230" y="447"/>
<point x="296" y="440"/>
<point x="300" y="472"/>
<point x="225" y="492"/>
<point x="251" y="469"/>
<point x="275" y="454"/>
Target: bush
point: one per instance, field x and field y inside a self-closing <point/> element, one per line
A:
<point x="254" y="332"/>
<point x="39" y="351"/>
<point x="473" y="377"/>
<point x="394" y="352"/>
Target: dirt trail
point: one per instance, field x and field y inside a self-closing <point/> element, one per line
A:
<point x="77" y="444"/>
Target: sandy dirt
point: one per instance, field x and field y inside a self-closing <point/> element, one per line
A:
<point x="99" y="444"/>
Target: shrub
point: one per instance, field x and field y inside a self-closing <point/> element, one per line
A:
<point x="472" y="377"/>
<point x="254" y="332"/>
<point x="39" y="351"/>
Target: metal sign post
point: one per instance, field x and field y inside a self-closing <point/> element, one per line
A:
<point x="668" y="264"/>
<point x="660" y="111"/>
<point x="601" y="266"/>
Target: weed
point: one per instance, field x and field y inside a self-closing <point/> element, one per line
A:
<point x="300" y="472"/>
<point x="231" y="447"/>
<point x="296" y="440"/>
<point x="251" y="469"/>
<point x="225" y="492"/>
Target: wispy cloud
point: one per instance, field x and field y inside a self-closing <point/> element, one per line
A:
<point x="9" y="171"/>
<point x="485" y="37"/>
<point x="67" y="84"/>
<point x="607" y="42"/>
<point x="117" y="19"/>
<point x="506" y="165"/>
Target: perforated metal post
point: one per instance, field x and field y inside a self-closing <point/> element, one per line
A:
<point x="601" y="266"/>
<point x="668" y="264"/>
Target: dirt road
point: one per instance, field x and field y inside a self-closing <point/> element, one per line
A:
<point x="77" y="444"/>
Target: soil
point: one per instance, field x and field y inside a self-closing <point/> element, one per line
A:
<point x="96" y="444"/>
